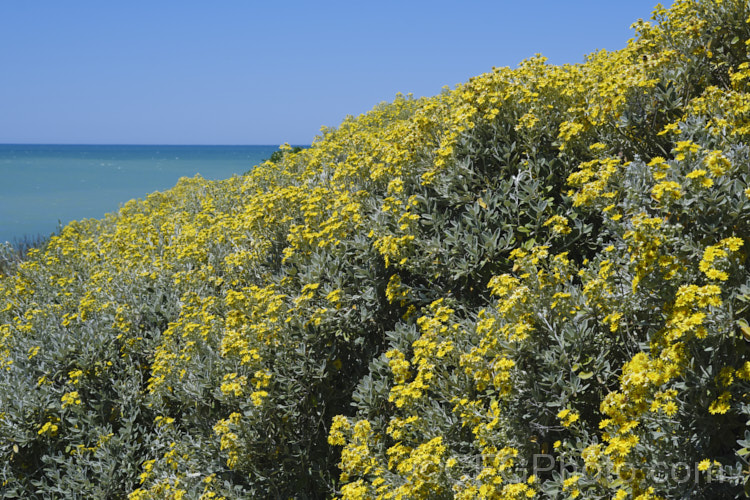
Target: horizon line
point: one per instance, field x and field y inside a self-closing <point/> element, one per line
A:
<point x="135" y="144"/>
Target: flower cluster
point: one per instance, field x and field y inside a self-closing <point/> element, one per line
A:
<point x="543" y="264"/>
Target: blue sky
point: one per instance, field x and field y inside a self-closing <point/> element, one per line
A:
<point x="247" y="72"/>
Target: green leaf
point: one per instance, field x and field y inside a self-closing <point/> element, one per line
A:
<point x="745" y="328"/>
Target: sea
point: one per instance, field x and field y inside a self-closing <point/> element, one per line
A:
<point x="43" y="187"/>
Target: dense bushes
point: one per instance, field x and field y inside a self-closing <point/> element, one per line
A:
<point x="534" y="284"/>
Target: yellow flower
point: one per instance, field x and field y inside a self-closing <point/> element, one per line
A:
<point x="721" y="405"/>
<point x="670" y="408"/>
<point x="671" y="128"/>
<point x="233" y="385"/>
<point x="658" y="161"/>
<point x="339" y="428"/>
<point x="733" y="243"/>
<point x="572" y="480"/>
<point x="568" y="417"/>
<point x="559" y="224"/>
<point x="70" y="398"/>
<point x="717" y="163"/>
<point x="258" y="396"/>
<point x="163" y="421"/>
<point x="75" y="376"/>
<point x="700" y="175"/>
<point x="666" y="189"/>
<point x="334" y="297"/>
<point x="715" y="274"/>
<point x="48" y="429"/>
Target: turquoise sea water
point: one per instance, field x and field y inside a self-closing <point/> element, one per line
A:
<point x="41" y="185"/>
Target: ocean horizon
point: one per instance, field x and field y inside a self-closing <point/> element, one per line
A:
<point x="49" y="185"/>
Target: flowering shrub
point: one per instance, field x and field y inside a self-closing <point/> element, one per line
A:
<point x="531" y="285"/>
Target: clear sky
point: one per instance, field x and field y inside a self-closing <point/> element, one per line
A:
<point x="250" y="72"/>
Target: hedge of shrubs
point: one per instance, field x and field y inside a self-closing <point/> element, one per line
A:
<point x="532" y="285"/>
